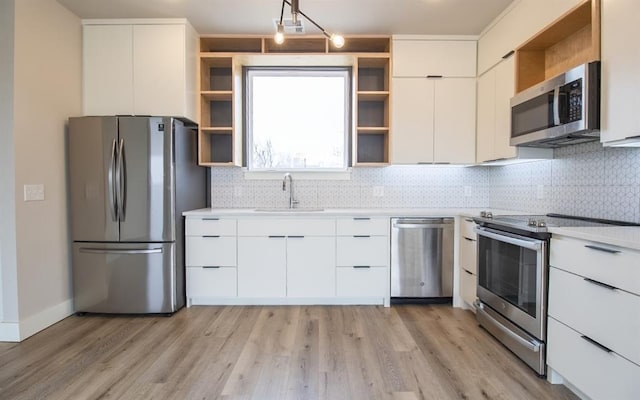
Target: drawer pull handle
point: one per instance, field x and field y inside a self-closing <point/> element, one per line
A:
<point x="604" y="285"/>
<point x="361" y="266"/>
<point x="276" y="237"/>
<point x="361" y="236"/>
<point x="211" y="236"/>
<point x="362" y="219"/>
<point x="470" y="273"/>
<point x="610" y="251"/>
<point x="296" y="237"/>
<point x="598" y="345"/>
<point x="469" y="239"/>
<point x="468" y="219"/>
<point x="211" y="267"/>
<point x="211" y="219"/>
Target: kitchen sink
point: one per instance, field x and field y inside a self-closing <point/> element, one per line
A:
<point x="288" y="210"/>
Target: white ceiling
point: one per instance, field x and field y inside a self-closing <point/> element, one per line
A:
<point x="428" y="17"/>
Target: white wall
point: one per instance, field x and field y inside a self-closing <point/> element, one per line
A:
<point x="8" y="274"/>
<point x="47" y="49"/>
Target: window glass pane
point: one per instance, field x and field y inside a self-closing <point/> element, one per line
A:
<point x="298" y="119"/>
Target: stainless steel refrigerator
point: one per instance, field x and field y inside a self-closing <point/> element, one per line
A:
<point x="130" y="179"/>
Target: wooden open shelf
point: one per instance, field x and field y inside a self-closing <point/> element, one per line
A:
<point x="220" y="92"/>
<point x="571" y="40"/>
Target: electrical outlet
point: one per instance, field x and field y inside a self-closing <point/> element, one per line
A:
<point x="540" y="192"/>
<point x="467" y="191"/>
<point x="34" y="192"/>
<point x="378" y="191"/>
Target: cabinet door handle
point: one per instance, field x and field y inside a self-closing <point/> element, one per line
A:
<point x="434" y="76"/>
<point x="211" y="236"/>
<point x="598" y="345"/>
<point x="509" y="54"/>
<point x="468" y="239"/>
<point x="276" y="237"/>
<point x="361" y="218"/>
<point x="604" y="285"/>
<point x="610" y="251"/>
<point x="361" y="266"/>
<point x="361" y="236"/>
<point x="470" y="273"/>
<point x="296" y="237"/>
<point x="211" y="219"/>
<point x="468" y="219"/>
<point x="211" y="266"/>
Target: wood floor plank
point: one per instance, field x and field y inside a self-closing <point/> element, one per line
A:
<point x="406" y="352"/>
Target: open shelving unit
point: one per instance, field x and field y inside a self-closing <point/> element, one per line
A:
<point x="221" y="60"/>
<point x="569" y="41"/>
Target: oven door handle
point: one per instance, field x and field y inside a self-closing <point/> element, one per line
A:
<point x="527" y="243"/>
<point x="534" y="347"/>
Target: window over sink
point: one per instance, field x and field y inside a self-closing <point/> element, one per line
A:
<point x="297" y="118"/>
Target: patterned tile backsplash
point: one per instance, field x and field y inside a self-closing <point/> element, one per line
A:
<point x="584" y="179"/>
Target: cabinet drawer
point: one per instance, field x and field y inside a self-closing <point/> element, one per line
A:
<point x="212" y="282"/>
<point x="609" y="316"/>
<point x="467" y="227"/>
<point x="214" y="251"/>
<point x="362" y="282"/>
<point x="363" y="226"/>
<point x="286" y="227"/>
<point x="469" y="254"/>
<point x="619" y="269"/>
<point x="362" y="251"/>
<point x="210" y="226"/>
<point x="468" y="286"/>
<point x="595" y="372"/>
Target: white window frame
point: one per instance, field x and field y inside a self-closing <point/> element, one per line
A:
<point x="322" y="173"/>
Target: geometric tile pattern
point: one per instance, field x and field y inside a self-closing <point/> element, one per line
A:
<point x="585" y="179"/>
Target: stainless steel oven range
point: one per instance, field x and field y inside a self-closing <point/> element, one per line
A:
<point x="513" y="264"/>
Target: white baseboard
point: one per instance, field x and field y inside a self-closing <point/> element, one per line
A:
<point x="257" y="301"/>
<point x="45" y="319"/>
<point x="9" y="332"/>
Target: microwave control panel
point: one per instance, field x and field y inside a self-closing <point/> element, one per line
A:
<point x="575" y="100"/>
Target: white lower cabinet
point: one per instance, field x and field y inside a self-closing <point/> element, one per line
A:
<point x="211" y="282"/>
<point x="467" y="259"/>
<point x="262" y="266"/>
<point x="594" y="318"/>
<point x="362" y="281"/>
<point x="271" y="260"/>
<point x="468" y="286"/>
<point x="311" y="268"/>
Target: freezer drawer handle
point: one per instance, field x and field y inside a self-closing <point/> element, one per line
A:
<point x="598" y="345"/>
<point x="123" y="251"/>
<point x="604" y="285"/>
<point x="610" y="251"/>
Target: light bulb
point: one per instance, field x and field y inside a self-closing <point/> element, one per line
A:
<point x="338" y="40"/>
<point x="278" y="38"/>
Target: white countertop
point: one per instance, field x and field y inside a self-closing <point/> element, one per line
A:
<point x="334" y="212"/>
<point x="622" y="236"/>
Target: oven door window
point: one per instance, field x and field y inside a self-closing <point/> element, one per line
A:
<point x="510" y="272"/>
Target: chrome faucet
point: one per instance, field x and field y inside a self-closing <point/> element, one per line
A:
<point x="292" y="201"/>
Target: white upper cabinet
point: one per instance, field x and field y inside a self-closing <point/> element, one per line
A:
<point x="495" y="89"/>
<point x="421" y="58"/>
<point x="516" y="26"/>
<point x="139" y="69"/>
<point x="620" y="118"/>
<point x="434" y="101"/>
<point x="107" y="69"/>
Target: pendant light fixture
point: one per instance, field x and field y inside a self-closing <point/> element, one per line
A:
<point x="337" y="40"/>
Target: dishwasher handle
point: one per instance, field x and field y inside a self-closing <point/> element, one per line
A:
<point x="423" y="223"/>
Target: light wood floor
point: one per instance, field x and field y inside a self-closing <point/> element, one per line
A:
<point x="402" y="353"/>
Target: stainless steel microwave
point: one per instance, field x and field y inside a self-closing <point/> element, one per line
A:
<point x="560" y="111"/>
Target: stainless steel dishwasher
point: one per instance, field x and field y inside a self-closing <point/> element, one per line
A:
<point x="421" y="257"/>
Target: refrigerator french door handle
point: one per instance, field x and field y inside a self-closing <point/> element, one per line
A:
<point x="91" y="250"/>
<point x="122" y="182"/>
<point x="112" y="184"/>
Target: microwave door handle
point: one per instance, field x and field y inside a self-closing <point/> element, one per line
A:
<point x="530" y="244"/>
<point x="556" y="106"/>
